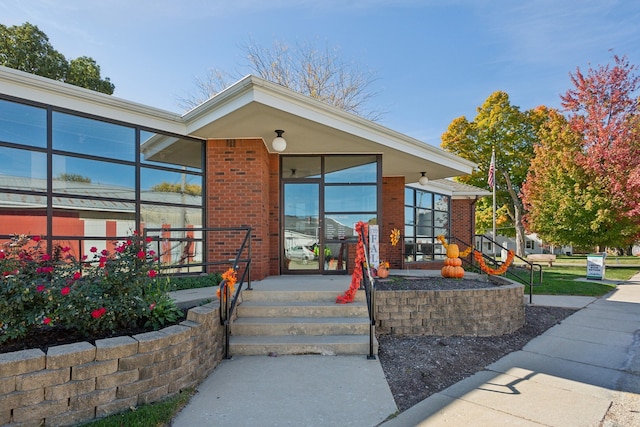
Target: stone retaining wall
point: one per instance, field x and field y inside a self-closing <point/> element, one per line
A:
<point x="492" y="311"/>
<point x="78" y="382"/>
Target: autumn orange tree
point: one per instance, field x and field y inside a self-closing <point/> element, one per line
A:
<point x="584" y="183"/>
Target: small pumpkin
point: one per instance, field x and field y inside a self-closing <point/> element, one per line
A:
<point x="382" y="272"/>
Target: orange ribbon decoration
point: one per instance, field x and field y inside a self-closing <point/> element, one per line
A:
<point x="494" y="271"/>
<point x="356" y="277"/>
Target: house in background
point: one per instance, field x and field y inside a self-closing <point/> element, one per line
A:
<point x="532" y="245"/>
<point x="300" y="173"/>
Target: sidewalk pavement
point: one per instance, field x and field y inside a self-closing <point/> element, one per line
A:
<point x="584" y="371"/>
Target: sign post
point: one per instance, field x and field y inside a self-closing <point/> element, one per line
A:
<point x="595" y="266"/>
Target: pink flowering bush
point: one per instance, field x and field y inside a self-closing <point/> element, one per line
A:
<point x="104" y="292"/>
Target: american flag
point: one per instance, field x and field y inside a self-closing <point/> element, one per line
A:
<point x="491" y="179"/>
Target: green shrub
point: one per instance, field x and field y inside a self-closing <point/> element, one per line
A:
<point x="104" y="292"/>
<point x="24" y="274"/>
<point x="179" y="283"/>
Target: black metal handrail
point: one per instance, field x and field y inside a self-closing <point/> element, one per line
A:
<point x="241" y="263"/>
<point x="511" y="272"/>
<point x="368" y="283"/>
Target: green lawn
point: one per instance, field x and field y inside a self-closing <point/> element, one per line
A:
<point x="610" y="260"/>
<point x="157" y="414"/>
<point x="564" y="280"/>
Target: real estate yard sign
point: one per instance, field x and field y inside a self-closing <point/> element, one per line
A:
<point x="595" y="266"/>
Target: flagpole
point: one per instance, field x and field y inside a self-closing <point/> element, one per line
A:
<point x="495" y="237"/>
<point x="492" y="182"/>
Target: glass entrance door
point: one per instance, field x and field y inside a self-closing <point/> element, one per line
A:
<point x="301" y="236"/>
<point x="323" y="197"/>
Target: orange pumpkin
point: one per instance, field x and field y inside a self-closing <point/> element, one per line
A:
<point x="458" y="272"/>
<point x="452" y="268"/>
<point x="383" y="272"/>
<point x="453" y="251"/>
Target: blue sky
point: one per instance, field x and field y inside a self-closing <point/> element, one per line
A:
<point x="434" y="60"/>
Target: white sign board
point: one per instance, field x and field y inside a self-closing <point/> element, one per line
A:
<point x="595" y="266"/>
<point x="374" y="246"/>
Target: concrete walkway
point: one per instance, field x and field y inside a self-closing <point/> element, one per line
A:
<point x="582" y="372"/>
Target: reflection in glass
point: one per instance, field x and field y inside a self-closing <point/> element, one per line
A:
<point x="342" y="226"/>
<point x="409" y="213"/>
<point x="23" y="124"/>
<point x="441" y="202"/>
<point x="166" y="150"/>
<point x="171" y="187"/>
<point x="431" y="220"/>
<point x="350" y="198"/>
<point x="27" y="214"/>
<point x="423" y="199"/>
<point x="301" y="214"/>
<point x="93" y="178"/>
<point x="298" y="167"/>
<point x="23" y="170"/>
<point x="425" y="222"/>
<point x="409" y="194"/>
<point x="93" y="137"/>
<point x="349" y="169"/>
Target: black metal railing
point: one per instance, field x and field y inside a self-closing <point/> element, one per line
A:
<point x="525" y="275"/>
<point x="368" y="283"/>
<point x="240" y="263"/>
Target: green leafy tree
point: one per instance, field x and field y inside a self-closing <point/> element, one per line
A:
<point x="567" y="203"/>
<point x="27" y="48"/>
<point x="167" y="187"/>
<point x="84" y="72"/>
<point x="512" y="133"/>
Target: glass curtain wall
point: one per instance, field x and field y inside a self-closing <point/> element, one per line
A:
<point x="323" y="198"/>
<point x="427" y="215"/>
<point x="65" y="175"/>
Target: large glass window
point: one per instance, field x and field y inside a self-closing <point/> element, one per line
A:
<point x="99" y="188"/>
<point x="426" y="217"/>
<point x="350" y="169"/>
<point x="23" y="169"/>
<point x="350" y="194"/>
<point x="72" y="175"/>
<point x="23" y="124"/>
<point x="172" y="187"/>
<point x="93" y="137"/>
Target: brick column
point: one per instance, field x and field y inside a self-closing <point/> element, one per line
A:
<point x="392" y="217"/>
<point x="240" y="193"/>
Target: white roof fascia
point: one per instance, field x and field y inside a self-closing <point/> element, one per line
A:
<point x="27" y="86"/>
<point x="254" y="89"/>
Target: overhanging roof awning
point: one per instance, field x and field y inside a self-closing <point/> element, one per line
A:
<point x="251" y="108"/>
<point x="254" y="108"/>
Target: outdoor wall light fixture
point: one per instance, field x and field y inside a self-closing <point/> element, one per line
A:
<point x="279" y="144"/>
<point x="423" y="179"/>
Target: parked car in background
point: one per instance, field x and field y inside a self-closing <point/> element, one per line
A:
<point x="301" y="253"/>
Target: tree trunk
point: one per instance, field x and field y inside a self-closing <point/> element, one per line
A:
<point x="517" y="216"/>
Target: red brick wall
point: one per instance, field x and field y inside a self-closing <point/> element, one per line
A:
<point x="392" y="217"/>
<point x="463" y="223"/>
<point x="238" y="194"/>
<point x="463" y="219"/>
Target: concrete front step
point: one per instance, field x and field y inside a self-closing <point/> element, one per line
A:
<point x="301" y="309"/>
<point x="317" y="326"/>
<point x="296" y="295"/>
<point x="299" y="320"/>
<point x="328" y="345"/>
